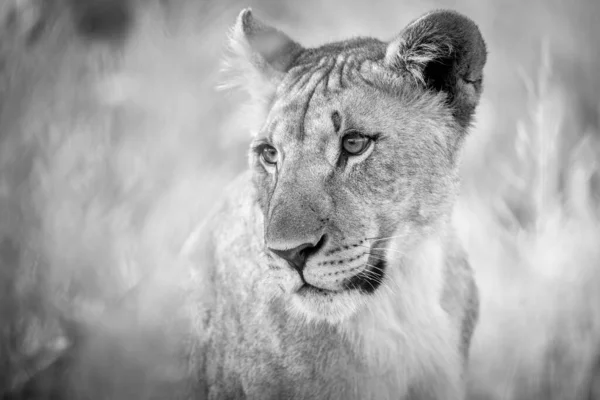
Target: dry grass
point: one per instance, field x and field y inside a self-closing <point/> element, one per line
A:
<point x="101" y="181"/>
<point x="533" y="240"/>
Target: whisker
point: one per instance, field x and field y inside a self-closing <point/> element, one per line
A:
<point x="366" y="270"/>
<point x="362" y="273"/>
<point x="384" y="238"/>
<point x="377" y="256"/>
<point x="394" y="250"/>
<point x="383" y="248"/>
<point x="389" y="284"/>
<point x="371" y="274"/>
<point x="369" y="247"/>
<point x="380" y="248"/>
<point x="372" y="283"/>
<point x="374" y="267"/>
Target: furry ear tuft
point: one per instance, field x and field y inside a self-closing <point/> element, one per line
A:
<point x="259" y="56"/>
<point x="443" y="51"/>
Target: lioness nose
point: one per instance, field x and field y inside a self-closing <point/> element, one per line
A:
<point x="297" y="256"/>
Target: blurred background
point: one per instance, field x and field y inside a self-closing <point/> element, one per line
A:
<point x="115" y="143"/>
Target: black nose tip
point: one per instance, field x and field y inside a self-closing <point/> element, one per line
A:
<point x="297" y="256"/>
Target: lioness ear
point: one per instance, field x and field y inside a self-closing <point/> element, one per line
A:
<point x="260" y="55"/>
<point x="444" y="51"/>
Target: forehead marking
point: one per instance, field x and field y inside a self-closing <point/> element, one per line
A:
<point x="329" y="75"/>
<point x="300" y="88"/>
<point x="337" y="121"/>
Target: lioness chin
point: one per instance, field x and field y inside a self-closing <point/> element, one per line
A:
<point x="331" y="271"/>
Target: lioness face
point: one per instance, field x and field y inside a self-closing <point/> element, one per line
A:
<point x="343" y="170"/>
<point x="356" y="159"/>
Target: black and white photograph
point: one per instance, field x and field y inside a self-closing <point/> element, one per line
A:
<point x="300" y="199"/>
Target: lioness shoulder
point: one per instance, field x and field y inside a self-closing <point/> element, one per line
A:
<point x="332" y="269"/>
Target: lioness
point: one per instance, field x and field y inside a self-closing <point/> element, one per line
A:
<point x="332" y="270"/>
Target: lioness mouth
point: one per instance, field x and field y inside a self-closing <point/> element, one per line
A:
<point x="366" y="281"/>
<point x="369" y="279"/>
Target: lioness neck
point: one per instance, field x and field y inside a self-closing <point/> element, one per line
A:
<point x="405" y="326"/>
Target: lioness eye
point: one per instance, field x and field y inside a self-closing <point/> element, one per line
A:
<point x="354" y="143"/>
<point x="269" y="154"/>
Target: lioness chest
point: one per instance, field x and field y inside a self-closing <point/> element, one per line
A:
<point x="278" y="358"/>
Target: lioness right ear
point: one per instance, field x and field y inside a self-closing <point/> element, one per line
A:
<point x="443" y="51"/>
<point x="260" y="56"/>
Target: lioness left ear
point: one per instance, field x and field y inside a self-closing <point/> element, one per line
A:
<point x="443" y="51"/>
<point x="260" y="55"/>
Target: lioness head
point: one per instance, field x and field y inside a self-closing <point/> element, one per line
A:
<point x="356" y="160"/>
